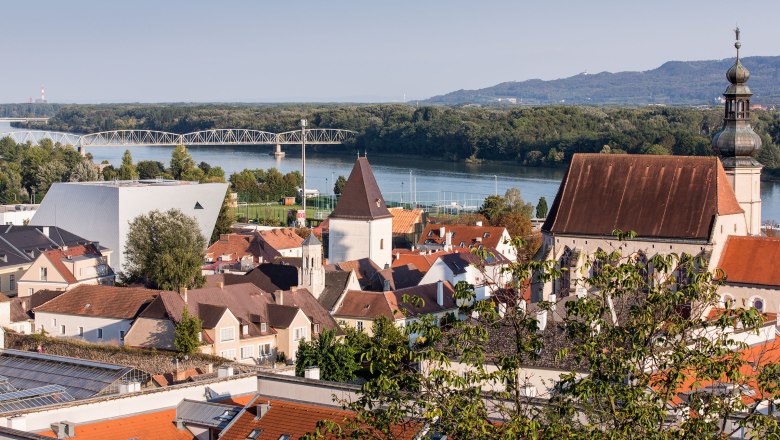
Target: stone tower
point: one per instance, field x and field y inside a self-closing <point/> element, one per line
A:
<point x="736" y="143"/>
<point x="361" y="225"/>
<point x="311" y="274"/>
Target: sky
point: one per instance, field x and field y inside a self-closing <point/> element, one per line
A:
<point x="87" y="51"/>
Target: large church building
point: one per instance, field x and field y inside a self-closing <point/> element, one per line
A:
<point x="675" y="204"/>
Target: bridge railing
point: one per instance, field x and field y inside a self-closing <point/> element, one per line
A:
<point x="204" y="137"/>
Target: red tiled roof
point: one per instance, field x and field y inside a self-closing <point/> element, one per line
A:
<point x="237" y="246"/>
<point x="363" y="304"/>
<point x="101" y="301"/>
<point x="55" y="256"/>
<point x="157" y="425"/>
<point x="655" y="196"/>
<point x="372" y="305"/>
<point x="364" y="268"/>
<point x="751" y="260"/>
<point x="405" y="219"/>
<point x="361" y="198"/>
<point x="468" y="235"/>
<point x="294" y="419"/>
<point x="281" y="238"/>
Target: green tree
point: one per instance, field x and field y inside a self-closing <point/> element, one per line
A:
<point x="127" y="170"/>
<point x="629" y="373"/>
<point x="493" y="207"/>
<point x="181" y="162"/>
<point x="541" y="208"/>
<point x="85" y="171"/>
<point x="150" y="169"/>
<point x="338" y="187"/>
<point x="225" y="219"/>
<point x="165" y="250"/>
<point x="335" y="358"/>
<point x="186" y="341"/>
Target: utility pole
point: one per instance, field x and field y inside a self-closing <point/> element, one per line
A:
<point x="496" y="180"/>
<point x="302" y="216"/>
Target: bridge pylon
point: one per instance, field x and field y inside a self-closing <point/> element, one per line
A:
<point x="278" y="153"/>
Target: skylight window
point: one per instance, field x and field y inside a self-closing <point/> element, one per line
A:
<point x="254" y="434"/>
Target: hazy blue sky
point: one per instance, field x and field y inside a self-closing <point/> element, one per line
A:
<point x="264" y="51"/>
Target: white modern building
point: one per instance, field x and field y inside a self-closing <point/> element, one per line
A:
<point x="102" y="211"/>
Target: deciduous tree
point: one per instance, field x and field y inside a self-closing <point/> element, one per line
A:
<point x="187" y="338"/>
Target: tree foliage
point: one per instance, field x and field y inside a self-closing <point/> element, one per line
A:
<point x="187" y="338"/>
<point x="127" y="170"/>
<point x="633" y="344"/>
<point x="338" y="187"/>
<point x="165" y="250"/>
<point x="225" y="219"/>
<point x="335" y="359"/>
<point x="541" y="208"/>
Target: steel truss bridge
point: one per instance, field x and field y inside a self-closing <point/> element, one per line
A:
<point x="230" y="136"/>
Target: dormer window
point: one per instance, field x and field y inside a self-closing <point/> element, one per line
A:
<point x="244" y="329"/>
<point x="430" y="234"/>
<point x="316" y="328"/>
<point x="263" y="327"/>
<point x="486" y="235"/>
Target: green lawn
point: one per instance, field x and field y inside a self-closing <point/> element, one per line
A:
<point x="276" y="214"/>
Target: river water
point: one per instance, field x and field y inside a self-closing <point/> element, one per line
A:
<point x="436" y="181"/>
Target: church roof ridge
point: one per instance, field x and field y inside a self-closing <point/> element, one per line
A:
<point x="361" y="198"/>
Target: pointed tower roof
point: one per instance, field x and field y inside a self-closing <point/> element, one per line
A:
<point x="311" y="240"/>
<point x="361" y="198"/>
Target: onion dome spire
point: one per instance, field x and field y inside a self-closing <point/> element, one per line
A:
<point x="736" y="142"/>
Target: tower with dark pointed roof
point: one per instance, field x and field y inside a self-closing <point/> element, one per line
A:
<point x="311" y="274"/>
<point x="736" y="143"/>
<point x="361" y="225"/>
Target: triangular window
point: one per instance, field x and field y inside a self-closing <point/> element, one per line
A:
<point x="198" y="205"/>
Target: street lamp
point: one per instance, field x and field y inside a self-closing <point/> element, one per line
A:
<point x="302" y="218"/>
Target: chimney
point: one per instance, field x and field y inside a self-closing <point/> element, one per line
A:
<point x="225" y="371"/>
<point x="440" y="293"/>
<point x="279" y="297"/>
<point x="209" y="368"/>
<point x="179" y="376"/>
<point x="397" y="255"/>
<point x="541" y="317"/>
<point x="312" y="373"/>
<point x="386" y="286"/>
<point x="442" y="231"/>
<point x="262" y="409"/>
<point x="184" y="294"/>
<point x="448" y="241"/>
<point x="221" y="284"/>
<point x="45" y="230"/>
<point x="478" y="223"/>
<point x="64" y="429"/>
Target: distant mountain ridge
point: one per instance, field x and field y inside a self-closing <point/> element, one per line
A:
<point x="673" y="83"/>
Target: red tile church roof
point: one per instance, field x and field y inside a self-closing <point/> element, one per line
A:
<point x="656" y="196"/>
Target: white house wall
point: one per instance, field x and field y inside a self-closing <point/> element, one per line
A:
<point x="110" y="326"/>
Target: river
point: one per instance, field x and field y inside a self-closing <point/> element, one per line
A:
<point x="436" y="181"/>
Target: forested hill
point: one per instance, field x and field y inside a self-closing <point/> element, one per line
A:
<point x="675" y="82"/>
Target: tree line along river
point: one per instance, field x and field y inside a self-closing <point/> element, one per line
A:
<point x="432" y="181"/>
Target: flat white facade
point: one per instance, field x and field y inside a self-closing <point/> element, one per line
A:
<point x="355" y="239"/>
<point x="87" y="328"/>
<point x="102" y="211"/>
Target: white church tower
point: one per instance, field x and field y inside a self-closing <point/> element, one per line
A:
<point x="361" y="226"/>
<point x="311" y="274"/>
<point x="736" y="143"/>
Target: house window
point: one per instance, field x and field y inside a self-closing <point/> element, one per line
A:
<point x="29" y="291"/>
<point x="100" y="333"/>
<point x="44" y="274"/>
<point x="381" y="243"/>
<point x="316" y="328"/>
<point x="263" y="327"/>
<point x="247" y="352"/>
<point x="12" y="282"/>
<point x="54" y="322"/>
<point x="81" y="331"/>
<point x="359" y="325"/>
<point x="564" y="282"/>
<point x="299" y="333"/>
<point x="121" y="335"/>
<point x="264" y="349"/>
<point x="62" y="329"/>
<point x="284" y="437"/>
<point x="244" y="329"/>
<point x="228" y="354"/>
<point x="254" y="434"/>
<point x="227" y="334"/>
